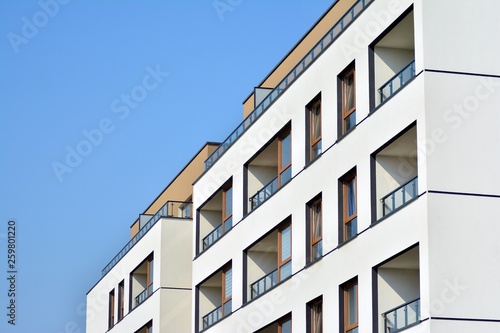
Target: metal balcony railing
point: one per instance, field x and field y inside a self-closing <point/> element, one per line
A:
<point x="397" y="82"/>
<point x="399" y="197"/>
<point x="402" y="317"/>
<point x="212" y="317"/>
<point x="143" y="295"/>
<point x="176" y="209"/>
<point x="264" y="284"/>
<point x="212" y="237"/>
<point x="264" y="193"/>
<point x="217" y="233"/>
<point x="314" y="53"/>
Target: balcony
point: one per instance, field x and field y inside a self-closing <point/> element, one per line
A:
<point x="269" y="170"/>
<point x="396" y="173"/>
<point x="314" y="53"/>
<point x="141" y="282"/>
<point x="397" y="82"/>
<point x="269" y="261"/>
<point x="215" y="218"/>
<point x="215" y="297"/>
<point x="393" y="59"/>
<point x="264" y="284"/>
<point x="402" y="317"/>
<point x="171" y="209"/>
<point x="143" y="295"/>
<point x="398" y="292"/>
<point x="400" y="197"/>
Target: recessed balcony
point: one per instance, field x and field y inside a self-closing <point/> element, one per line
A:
<point x="398" y="286"/>
<point x="215" y="297"/>
<point x="269" y="170"/>
<point x="269" y="261"/>
<point x="394" y="59"/>
<point x="396" y="174"/>
<point x="215" y="217"/>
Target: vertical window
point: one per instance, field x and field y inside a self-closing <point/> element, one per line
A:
<point x="314" y="120"/>
<point x="111" y="309"/>
<point x="121" y="300"/>
<point x="315" y="316"/>
<point x="284" y="252"/>
<point x="227" y="208"/>
<point x="285" y="325"/>
<point x="284" y="158"/>
<point x="349" y="207"/>
<point x="315" y="229"/>
<point x="348" y="100"/>
<point x="150" y="273"/>
<point x="349" y="292"/>
<point x="227" y="291"/>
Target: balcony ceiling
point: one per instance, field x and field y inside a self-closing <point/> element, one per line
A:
<point x="405" y="145"/>
<point x="268" y="157"/>
<point x="408" y="260"/>
<point x="401" y="37"/>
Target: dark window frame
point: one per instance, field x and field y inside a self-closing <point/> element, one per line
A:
<point x="343" y="112"/>
<point x="311" y="240"/>
<point x="344" y="301"/>
<point x="314" y="105"/>
<point x="345" y="219"/>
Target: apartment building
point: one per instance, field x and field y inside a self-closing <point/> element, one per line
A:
<point x="146" y="287"/>
<point x="361" y="191"/>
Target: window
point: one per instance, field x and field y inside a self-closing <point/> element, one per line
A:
<point x="284" y="158"/>
<point x="348" y="100"/>
<point x="227" y="208"/>
<point x="285" y="325"/>
<point x="315" y="309"/>
<point x="314" y="217"/>
<point x="349" y="206"/>
<point x="111" y="309"/>
<point x="349" y="299"/>
<point x="227" y="291"/>
<point x="121" y="303"/>
<point x="314" y="130"/>
<point x="284" y="252"/>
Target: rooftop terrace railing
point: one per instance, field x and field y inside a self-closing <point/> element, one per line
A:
<point x="314" y="53"/>
<point x="399" y="197"/>
<point x="397" y="82"/>
<point x="402" y="317"/>
<point x="176" y="209"/>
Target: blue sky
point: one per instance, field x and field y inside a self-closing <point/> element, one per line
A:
<point x="101" y="105"/>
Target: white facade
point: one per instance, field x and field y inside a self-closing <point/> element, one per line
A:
<point x="440" y="128"/>
<point x="167" y="304"/>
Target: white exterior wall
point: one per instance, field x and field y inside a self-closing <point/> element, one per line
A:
<point x="170" y="242"/>
<point x="456" y="149"/>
